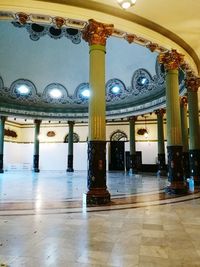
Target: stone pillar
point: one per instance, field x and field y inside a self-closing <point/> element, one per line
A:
<point x="70" y="147"/>
<point x="95" y="34"/>
<point x="2" y="126"/>
<point x="36" y="146"/>
<point x="184" y="131"/>
<point x="192" y="85"/>
<point x="172" y="60"/>
<point x="133" y="159"/>
<point x="161" y="142"/>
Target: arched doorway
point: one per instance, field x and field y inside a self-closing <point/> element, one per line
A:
<point x="117" y="150"/>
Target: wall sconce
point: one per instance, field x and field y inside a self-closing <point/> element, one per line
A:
<point x="125" y="4"/>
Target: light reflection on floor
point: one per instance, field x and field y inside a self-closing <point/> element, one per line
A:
<point x="43" y="222"/>
<point x="58" y="185"/>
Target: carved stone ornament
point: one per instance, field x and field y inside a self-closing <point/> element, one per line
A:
<point x="96" y="33"/>
<point x="152" y="46"/>
<point x="142" y="131"/>
<point x="171" y="59"/>
<point x="183" y="100"/>
<point x="51" y="133"/>
<point x="130" y="38"/>
<point x="192" y="83"/>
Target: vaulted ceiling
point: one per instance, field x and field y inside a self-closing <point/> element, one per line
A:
<point x="170" y="24"/>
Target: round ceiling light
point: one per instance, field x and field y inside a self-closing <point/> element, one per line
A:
<point x="115" y="89"/>
<point x="23" y="89"/>
<point x="86" y="93"/>
<point x="125" y="4"/>
<point x="55" y="93"/>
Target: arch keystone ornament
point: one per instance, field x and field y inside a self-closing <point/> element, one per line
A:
<point x="96" y="33"/>
<point x="172" y="60"/>
<point x="192" y="84"/>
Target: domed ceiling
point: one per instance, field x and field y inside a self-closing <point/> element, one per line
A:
<point x="46" y="61"/>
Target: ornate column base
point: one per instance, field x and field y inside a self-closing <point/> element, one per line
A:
<point x="175" y="171"/>
<point x="1" y="163"/>
<point x="161" y="165"/>
<point x="97" y="191"/>
<point x="194" y="158"/>
<point x="70" y="164"/>
<point x="36" y="163"/>
<point x="97" y="196"/>
<point x="186" y="165"/>
<point x="133" y="164"/>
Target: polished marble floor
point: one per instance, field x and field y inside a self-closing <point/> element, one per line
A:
<point x="44" y="222"/>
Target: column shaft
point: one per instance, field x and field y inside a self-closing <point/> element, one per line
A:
<point x="161" y="143"/>
<point x="2" y="126"/>
<point x="174" y="136"/>
<point x="96" y="33"/>
<point x="184" y="130"/>
<point x="194" y="134"/>
<point x="97" y="193"/>
<point x="36" y="146"/>
<point x="133" y="159"/>
<point x="70" y="147"/>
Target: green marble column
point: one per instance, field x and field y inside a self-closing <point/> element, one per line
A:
<point x="161" y="143"/>
<point x="2" y="126"/>
<point x="70" y="146"/>
<point x="133" y="159"/>
<point x="172" y="60"/>
<point x="192" y="85"/>
<point x="36" y="146"/>
<point x="184" y="131"/>
<point x="95" y="34"/>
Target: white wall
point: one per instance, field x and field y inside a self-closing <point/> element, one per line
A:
<point x="53" y="152"/>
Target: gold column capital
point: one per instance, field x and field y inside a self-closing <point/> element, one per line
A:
<point x="183" y="100"/>
<point x="132" y="118"/>
<point x="96" y="33"/>
<point x="37" y="121"/>
<point x="192" y="83"/>
<point x="71" y="122"/>
<point x="161" y="111"/>
<point x="171" y="59"/>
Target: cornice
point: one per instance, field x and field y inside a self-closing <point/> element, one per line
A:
<point x="110" y="10"/>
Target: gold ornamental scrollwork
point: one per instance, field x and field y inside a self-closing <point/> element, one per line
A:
<point x="171" y="60"/>
<point x="96" y="33"/>
<point x="192" y="83"/>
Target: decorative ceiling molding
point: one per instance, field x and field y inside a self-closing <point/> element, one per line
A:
<point x="24" y="18"/>
<point x="36" y="31"/>
<point x="113" y="11"/>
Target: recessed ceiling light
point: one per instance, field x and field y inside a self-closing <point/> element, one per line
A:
<point x="86" y="93"/>
<point x="115" y="89"/>
<point x="125" y="4"/>
<point x="55" y="93"/>
<point x="23" y="89"/>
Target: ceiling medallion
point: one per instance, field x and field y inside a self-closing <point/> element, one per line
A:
<point x="125" y="4"/>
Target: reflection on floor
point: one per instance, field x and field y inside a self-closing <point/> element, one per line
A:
<point x="44" y="222"/>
